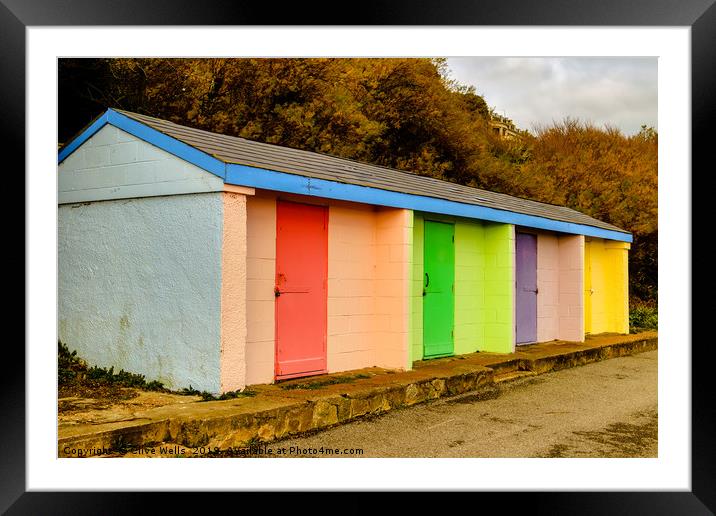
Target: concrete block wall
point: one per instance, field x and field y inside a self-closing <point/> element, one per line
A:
<point x="571" y="288"/>
<point x="548" y="287"/>
<point x="113" y="164"/>
<point x="393" y="240"/>
<point x="351" y="286"/>
<point x="560" y="273"/>
<point x="469" y="286"/>
<point x="260" y="282"/>
<point x="499" y="306"/>
<point x="484" y="254"/>
<point x="369" y="258"/>
<point x="416" y="289"/>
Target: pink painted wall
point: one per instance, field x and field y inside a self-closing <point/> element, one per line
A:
<point x="559" y="282"/>
<point x="260" y="300"/>
<point x="393" y="240"/>
<point x="233" y="293"/>
<point x="560" y="279"/>
<point x="351" y="301"/>
<point x="571" y="287"/>
<point x="548" y="287"/>
<point x="368" y="284"/>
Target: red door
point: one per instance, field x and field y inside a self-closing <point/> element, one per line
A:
<point x="301" y="277"/>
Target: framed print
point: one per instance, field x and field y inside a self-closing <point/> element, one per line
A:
<point x="45" y="45"/>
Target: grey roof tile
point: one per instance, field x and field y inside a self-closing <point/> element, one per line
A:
<point x="231" y="149"/>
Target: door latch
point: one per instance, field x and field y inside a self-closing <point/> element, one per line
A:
<point x="276" y="292"/>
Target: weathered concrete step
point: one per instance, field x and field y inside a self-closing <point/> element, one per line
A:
<point x="275" y="412"/>
<point x="507" y="367"/>
<point x="512" y="375"/>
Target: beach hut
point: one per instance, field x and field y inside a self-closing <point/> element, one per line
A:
<point x="202" y="259"/>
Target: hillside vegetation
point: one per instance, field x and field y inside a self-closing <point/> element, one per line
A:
<point x="401" y="113"/>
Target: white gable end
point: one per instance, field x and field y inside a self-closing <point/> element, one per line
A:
<point x="114" y="164"/>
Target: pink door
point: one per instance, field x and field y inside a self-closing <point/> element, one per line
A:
<point x="301" y="277"/>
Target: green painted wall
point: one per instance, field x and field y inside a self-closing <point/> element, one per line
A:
<point x="499" y="306"/>
<point x="484" y="286"/>
<point x="469" y="286"/>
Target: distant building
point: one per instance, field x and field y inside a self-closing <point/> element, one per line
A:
<point x="503" y="126"/>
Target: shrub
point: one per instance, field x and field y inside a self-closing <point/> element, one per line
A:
<point x="643" y="316"/>
<point x="69" y="365"/>
<point x="71" y="368"/>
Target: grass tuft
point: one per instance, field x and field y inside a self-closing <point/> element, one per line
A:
<point x="207" y="396"/>
<point x="321" y="383"/>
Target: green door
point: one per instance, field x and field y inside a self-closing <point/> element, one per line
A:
<point x="438" y="288"/>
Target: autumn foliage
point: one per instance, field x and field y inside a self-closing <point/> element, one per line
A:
<point x="401" y="113"/>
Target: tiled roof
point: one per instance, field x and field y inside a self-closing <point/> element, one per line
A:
<point x="231" y="149"/>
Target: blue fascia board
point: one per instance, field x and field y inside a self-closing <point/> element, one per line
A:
<point x="149" y="135"/>
<point x="71" y="147"/>
<point x="243" y="175"/>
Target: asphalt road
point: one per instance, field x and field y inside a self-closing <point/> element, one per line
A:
<point x="605" y="409"/>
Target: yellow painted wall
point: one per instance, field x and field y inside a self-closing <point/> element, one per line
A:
<point x="606" y="286"/>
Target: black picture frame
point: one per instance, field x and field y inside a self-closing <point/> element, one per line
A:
<point x="700" y="15"/>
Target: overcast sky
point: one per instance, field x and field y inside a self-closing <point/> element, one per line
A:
<point x="619" y="91"/>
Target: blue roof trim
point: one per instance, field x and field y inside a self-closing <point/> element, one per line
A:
<point x="149" y="135"/>
<point x="243" y="175"/>
<point x="83" y="137"/>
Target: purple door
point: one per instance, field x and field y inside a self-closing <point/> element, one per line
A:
<point x="526" y="285"/>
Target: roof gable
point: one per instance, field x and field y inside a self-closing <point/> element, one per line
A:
<point x="113" y="164"/>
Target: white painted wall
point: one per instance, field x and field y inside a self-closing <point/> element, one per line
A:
<point x="139" y="286"/>
<point x="113" y="164"/>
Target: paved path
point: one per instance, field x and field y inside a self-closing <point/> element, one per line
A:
<point x="605" y="409"/>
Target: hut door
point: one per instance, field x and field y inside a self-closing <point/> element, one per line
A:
<point x="438" y="288"/>
<point x="300" y="289"/>
<point x="526" y="286"/>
